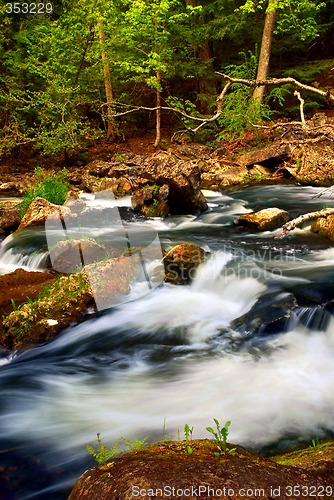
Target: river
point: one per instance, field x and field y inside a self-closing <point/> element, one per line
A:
<point x="250" y="340"/>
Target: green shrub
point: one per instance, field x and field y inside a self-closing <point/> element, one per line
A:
<point x="53" y="188"/>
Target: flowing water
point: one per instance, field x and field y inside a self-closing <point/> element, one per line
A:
<point x="250" y="340"/>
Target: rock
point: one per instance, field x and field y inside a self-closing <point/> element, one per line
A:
<point x="89" y="183"/>
<point x="11" y="189"/>
<point x="10" y="216"/>
<point x="182" y="177"/>
<point x="277" y="151"/>
<point x="181" y="263"/>
<point x="66" y="258"/>
<point x="39" y="210"/>
<point x="147" y="472"/>
<point x="110" y="280"/>
<point x="324" y="226"/>
<point x="264" y="220"/>
<point x="121" y="187"/>
<point x="221" y="174"/>
<point x="314" y="163"/>
<point x="152" y="201"/>
<point x="269" y="315"/>
<point x="66" y="301"/>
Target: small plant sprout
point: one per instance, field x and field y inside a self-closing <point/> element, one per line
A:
<point x="103" y="453"/>
<point x="315" y="442"/>
<point x="188" y="432"/>
<point x="221" y="438"/>
<point x="135" y="445"/>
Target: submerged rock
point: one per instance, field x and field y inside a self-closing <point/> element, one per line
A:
<point x="168" y="469"/>
<point x="181" y="263"/>
<point x="264" y="220"/>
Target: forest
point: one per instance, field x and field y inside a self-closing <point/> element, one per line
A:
<point x="76" y="73"/>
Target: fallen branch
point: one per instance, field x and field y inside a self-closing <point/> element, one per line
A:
<point x="298" y="221"/>
<point x="279" y="82"/>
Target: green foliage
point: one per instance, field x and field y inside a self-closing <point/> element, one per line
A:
<point x="315" y="442"/>
<point x="137" y="444"/>
<point x="240" y="110"/>
<point x="103" y="453"/>
<point x="53" y="188"/>
<point x="188" y="433"/>
<point x="221" y="438"/>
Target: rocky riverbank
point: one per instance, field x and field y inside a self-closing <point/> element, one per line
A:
<point x="192" y="467"/>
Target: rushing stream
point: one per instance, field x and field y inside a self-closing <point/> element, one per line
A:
<point x="251" y="340"/>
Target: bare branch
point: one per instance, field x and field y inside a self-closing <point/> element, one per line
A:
<point x="279" y="82"/>
<point x="302" y="102"/>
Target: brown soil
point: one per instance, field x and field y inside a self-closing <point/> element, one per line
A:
<point x="242" y="474"/>
<point x="19" y="285"/>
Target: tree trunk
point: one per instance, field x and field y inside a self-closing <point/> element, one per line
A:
<point x="267" y="36"/>
<point x="158" y="112"/>
<point x="202" y="52"/>
<point x="107" y="79"/>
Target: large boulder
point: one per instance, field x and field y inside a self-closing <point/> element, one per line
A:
<point x="39" y="210"/>
<point x="168" y="469"/>
<point x="324" y="226"/>
<point x="182" y="177"/>
<point x="313" y="163"/>
<point x="181" y="263"/>
<point x="66" y="257"/>
<point x="264" y="220"/>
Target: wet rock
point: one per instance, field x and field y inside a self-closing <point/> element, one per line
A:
<point x="269" y="315"/>
<point x="181" y="263"/>
<point x="264" y="220"/>
<point x="66" y="255"/>
<point x="39" y="210"/>
<point x="152" y="201"/>
<point x="324" y="226"/>
<point x="182" y="177"/>
<point x="111" y="279"/>
<point x="146" y="472"/>
<point x="10" y="217"/>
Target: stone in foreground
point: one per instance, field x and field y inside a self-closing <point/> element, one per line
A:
<point x="154" y="471"/>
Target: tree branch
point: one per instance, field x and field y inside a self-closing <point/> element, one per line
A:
<point x="298" y="221"/>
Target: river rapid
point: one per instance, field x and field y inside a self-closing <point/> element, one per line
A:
<point x="250" y="340"/>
